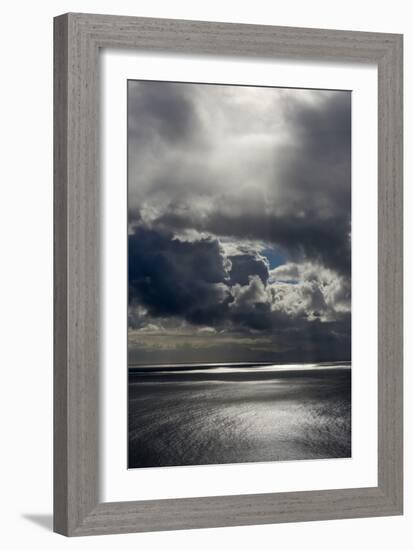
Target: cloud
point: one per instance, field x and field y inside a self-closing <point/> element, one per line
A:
<point x="302" y="237"/>
<point x="310" y="290"/>
<point x="293" y="192"/>
<point x="159" y="113"/>
<point x="220" y="177"/>
<point x="245" y="265"/>
<point x="286" y="273"/>
<point x="193" y="283"/>
<point x="170" y="277"/>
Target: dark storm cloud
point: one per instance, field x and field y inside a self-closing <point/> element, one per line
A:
<point x="316" y="173"/>
<point x="197" y="282"/>
<point x="159" y="113"/>
<point x="300" y="237"/>
<point x="297" y="196"/>
<point x="212" y="168"/>
<point x="174" y="278"/>
<point x="245" y="265"/>
<point x="324" y="131"/>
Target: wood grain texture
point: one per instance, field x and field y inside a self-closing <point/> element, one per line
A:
<point x="78" y="38"/>
<point x="76" y="277"/>
<point x="390" y="273"/>
<point x="60" y="485"/>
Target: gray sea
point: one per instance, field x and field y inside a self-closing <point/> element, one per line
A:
<point x="231" y="413"/>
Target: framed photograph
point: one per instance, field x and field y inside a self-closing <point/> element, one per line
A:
<point x="228" y="274"/>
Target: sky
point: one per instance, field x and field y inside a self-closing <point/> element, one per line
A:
<point x="239" y="224"/>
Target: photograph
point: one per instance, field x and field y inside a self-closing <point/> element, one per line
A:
<point x="239" y="274"/>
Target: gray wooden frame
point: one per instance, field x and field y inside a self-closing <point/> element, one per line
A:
<point x="78" y="39"/>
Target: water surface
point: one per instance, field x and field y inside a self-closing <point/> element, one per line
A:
<point x="196" y="414"/>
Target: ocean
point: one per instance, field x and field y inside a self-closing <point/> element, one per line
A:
<point x="193" y="414"/>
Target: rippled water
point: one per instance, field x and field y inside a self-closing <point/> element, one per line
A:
<point x="217" y="414"/>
